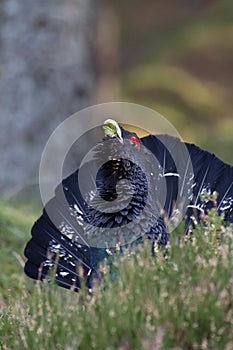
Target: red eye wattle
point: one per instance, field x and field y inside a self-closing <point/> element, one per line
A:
<point x="135" y="140"/>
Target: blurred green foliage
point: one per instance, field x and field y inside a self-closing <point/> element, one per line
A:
<point x="177" y="58"/>
<point x="15" y="224"/>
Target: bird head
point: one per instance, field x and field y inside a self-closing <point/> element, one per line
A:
<point x="113" y="130"/>
<point x="123" y="148"/>
<point x="125" y="155"/>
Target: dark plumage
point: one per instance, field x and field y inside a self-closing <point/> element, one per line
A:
<point x="176" y="183"/>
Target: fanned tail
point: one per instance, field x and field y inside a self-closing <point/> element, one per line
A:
<point x="59" y="242"/>
<point x="49" y="249"/>
<point x="202" y="174"/>
<point x="211" y="175"/>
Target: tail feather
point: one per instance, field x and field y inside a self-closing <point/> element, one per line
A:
<point x="47" y="242"/>
<point x="36" y="273"/>
<point x="209" y="174"/>
<point x="212" y="175"/>
<point x="42" y="257"/>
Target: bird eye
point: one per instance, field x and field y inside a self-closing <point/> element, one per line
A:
<point x="135" y="141"/>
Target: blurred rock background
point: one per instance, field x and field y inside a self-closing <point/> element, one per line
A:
<point x="47" y="74"/>
<point x="57" y="57"/>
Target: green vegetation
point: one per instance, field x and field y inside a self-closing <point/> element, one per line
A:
<point x="14" y="231"/>
<point x="182" y="67"/>
<point x="179" y="299"/>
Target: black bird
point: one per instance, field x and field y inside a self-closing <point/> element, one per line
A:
<point x="139" y="182"/>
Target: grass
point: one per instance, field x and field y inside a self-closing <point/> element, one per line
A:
<point x="179" y="299"/>
<point x="15" y="226"/>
